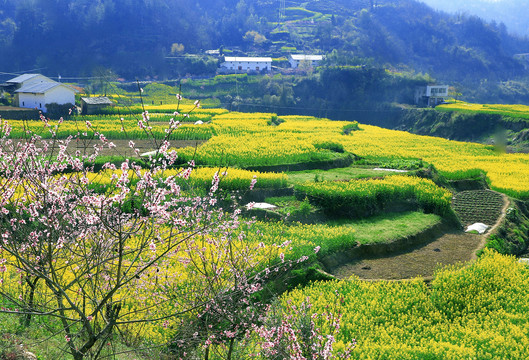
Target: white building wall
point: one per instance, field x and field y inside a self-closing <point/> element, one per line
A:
<point x="60" y="95"/>
<point x="248" y="65"/>
<point x="32" y="101"/>
<point x="437" y="90"/>
<point x="309" y="60"/>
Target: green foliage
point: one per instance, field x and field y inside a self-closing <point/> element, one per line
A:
<point x="288" y="49"/>
<point x="347" y="129"/>
<point x="56" y="111"/>
<point x="274" y="120"/>
<point x="304" y="209"/>
<point x="363" y="198"/>
<point x="512" y="237"/>
<point x="473" y="311"/>
<point x="330" y="145"/>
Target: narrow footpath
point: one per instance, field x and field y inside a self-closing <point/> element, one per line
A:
<point x="422" y="261"/>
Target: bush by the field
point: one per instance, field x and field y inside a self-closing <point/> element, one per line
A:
<point x="363" y="198"/>
<point x="512" y="237"/>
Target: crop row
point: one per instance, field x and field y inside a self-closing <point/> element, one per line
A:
<point x="514" y="111"/>
<point x="478" y="206"/>
<point x="361" y="198"/>
<point x="244" y="140"/>
<point x="201" y="178"/>
<point x="473" y="312"/>
<point x="112" y="129"/>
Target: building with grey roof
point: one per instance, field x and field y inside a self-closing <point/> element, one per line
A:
<point x="35" y="91"/>
<point x="93" y="105"/>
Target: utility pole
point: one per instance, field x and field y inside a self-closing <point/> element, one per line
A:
<point x="282" y="7"/>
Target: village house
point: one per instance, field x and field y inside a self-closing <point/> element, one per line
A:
<point x="35" y="91"/>
<point x="304" y="61"/>
<point x="24" y="80"/>
<point x="93" y="105"/>
<point x="246" y="64"/>
<point x="431" y="95"/>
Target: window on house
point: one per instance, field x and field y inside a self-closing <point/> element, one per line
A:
<point x="23" y="103"/>
<point x="240" y="67"/>
<point x="257" y="68"/>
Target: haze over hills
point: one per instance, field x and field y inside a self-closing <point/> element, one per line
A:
<point x="134" y="37"/>
<point x="513" y="13"/>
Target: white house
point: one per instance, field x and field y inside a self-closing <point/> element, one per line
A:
<point x="35" y="91"/>
<point x="28" y="79"/>
<point x="38" y="95"/>
<point x="304" y="61"/>
<point x="431" y="95"/>
<point x="246" y="64"/>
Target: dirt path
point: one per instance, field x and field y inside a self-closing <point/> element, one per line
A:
<point x="421" y="261"/>
<point x="450" y="248"/>
<point x="123" y="148"/>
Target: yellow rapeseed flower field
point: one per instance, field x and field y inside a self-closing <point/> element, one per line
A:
<point x="473" y="312"/>
<point x="247" y="140"/>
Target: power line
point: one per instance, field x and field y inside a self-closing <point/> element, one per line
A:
<point x="306" y="108"/>
<point x="20" y="72"/>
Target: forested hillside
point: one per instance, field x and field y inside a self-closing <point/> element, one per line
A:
<point x="511" y="12"/>
<point x="133" y="37"/>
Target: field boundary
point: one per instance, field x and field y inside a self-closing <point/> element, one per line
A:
<point x="492" y="230"/>
<point x="337" y="259"/>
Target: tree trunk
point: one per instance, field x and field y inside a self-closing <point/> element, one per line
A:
<point x="31" y="300"/>
<point x="230" y="351"/>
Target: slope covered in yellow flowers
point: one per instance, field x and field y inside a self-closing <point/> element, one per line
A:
<point x="248" y="140"/>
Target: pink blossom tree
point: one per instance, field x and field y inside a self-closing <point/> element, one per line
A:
<point x="126" y="249"/>
<point x="142" y="251"/>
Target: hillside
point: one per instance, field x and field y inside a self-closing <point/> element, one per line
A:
<point x="510" y="12"/>
<point x="73" y="37"/>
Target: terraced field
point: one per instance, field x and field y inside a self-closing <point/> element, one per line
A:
<point x="482" y="206"/>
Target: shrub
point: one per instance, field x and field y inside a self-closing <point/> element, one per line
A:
<point x="330" y="145"/>
<point x="347" y="129"/>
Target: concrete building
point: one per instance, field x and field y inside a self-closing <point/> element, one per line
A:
<point x="16" y="83"/>
<point x="431" y="95"/>
<point x="34" y="91"/>
<point x="304" y="61"/>
<point x="246" y="64"/>
<point x="38" y="95"/>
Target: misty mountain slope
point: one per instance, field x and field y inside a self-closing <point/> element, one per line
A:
<point x="133" y="37"/>
<point x="513" y="13"/>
